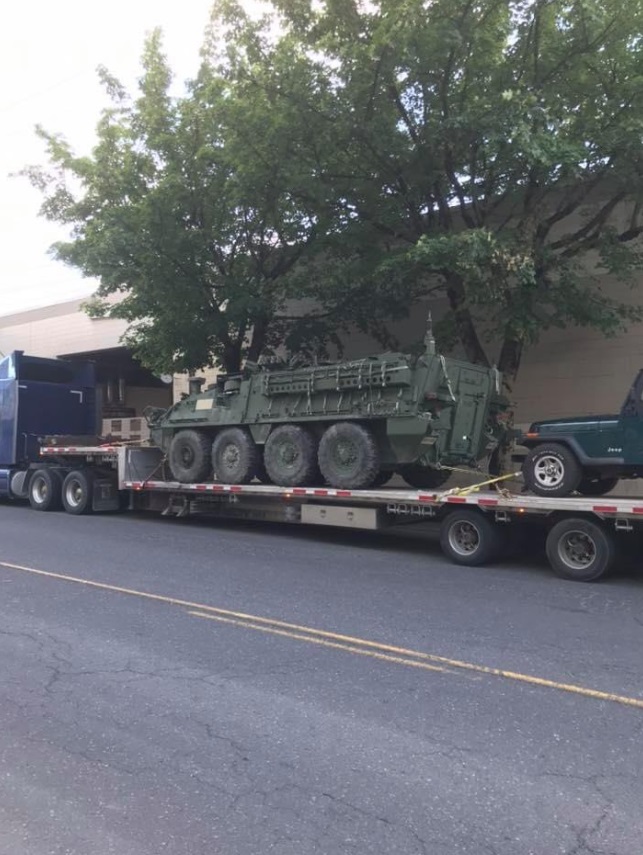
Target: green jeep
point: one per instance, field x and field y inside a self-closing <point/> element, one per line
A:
<point x="588" y="454"/>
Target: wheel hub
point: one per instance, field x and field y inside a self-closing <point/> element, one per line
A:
<point x="345" y="453"/>
<point x="230" y="456"/>
<point x="464" y="538"/>
<point x="549" y="471"/>
<point x="577" y="550"/>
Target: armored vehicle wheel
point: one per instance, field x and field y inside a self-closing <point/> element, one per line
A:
<point x="470" y="538"/>
<point x="45" y="490"/>
<point x="290" y="456"/>
<point x="235" y="457"/>
<point x="552" y="470"/>
<point x="423" y="477"/>
<point x="77" y="492"/>
<point x="189" y="456"/>
<point x="580" y="550"/>
<point x="348" y="456"/>
<point x="597" y="486"/>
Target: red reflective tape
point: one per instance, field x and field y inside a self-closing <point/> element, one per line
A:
<point x="488" y="502"/>
<point x="456" y="500"/>
<point x="604" y="509"/>
<point x="427" y="498"/>
<point x="235" y="488"/>
<point x="218" y="488"/>
<point x="637" y="510"/>
<point x="299" y="491"/>
<point x="320" y="492"/>
<point x="201" y="487"/>
<point x="343" y="493"/>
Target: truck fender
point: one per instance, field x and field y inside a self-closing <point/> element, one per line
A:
<point x="573" y="445"/>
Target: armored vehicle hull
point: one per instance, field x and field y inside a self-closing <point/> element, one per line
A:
<point x="348" y="424"/>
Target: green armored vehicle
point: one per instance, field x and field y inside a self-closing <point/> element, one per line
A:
<point x="347" y="424"/>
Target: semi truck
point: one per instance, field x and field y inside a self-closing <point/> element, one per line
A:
<point x="51" y="457"/>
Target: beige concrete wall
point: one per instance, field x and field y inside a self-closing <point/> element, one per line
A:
<point x="54" y="330"/>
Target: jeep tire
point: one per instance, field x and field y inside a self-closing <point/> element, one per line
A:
<point x="552" y="469"/>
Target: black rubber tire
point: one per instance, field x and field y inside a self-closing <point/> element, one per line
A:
<point x="569" y="471"/>
<point x="235" y="456"/>
<point x="423" y="477"/>
<point x="597" y="486"/>
<point x="78" y="492"/>
<point x="470" y="538"/>
<point x="290" y="456"/>
<point x="580" y="550"/>
<point x="349" y="458"/>
<point x="45" y="490"/>
<point x="189" y="457"/>
<point x="381" y="479"/>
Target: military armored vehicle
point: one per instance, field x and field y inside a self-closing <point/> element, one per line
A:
<point x="347" y="424"/>
<point x="586" y="454"/>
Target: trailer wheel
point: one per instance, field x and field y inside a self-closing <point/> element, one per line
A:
<point x="45" y="490"/>
<point x="235" y="457"/>
<point x="470" y="538"/>
<point x="78" y="492"/>
<point x="580" y="550"/>
<point x="423" y="477"/>
<point x="290" y="456"/>
<point x="348" y="456"/>
<point x="189" y="456"/>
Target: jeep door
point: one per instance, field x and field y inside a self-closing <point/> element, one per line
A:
<point x="631" y="424"/>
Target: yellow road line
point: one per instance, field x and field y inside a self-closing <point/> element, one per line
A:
<point x="307" y="633"/>
<point x="387" y="657"/>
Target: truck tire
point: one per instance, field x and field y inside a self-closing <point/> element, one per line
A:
<point x="189" y="456"/>
<point x="290" y="456"/>
<point x="597" y="486"/>
<point x="235" y="457"/>
<point x="45" y="490"/>
<point x="423" y="477"/>
<point x="349" y="458"/>
<point x="470" y="538"/>
<point x="78" y="492"/>
<point x="580" y="550"/>
<point x="552" y="470"/>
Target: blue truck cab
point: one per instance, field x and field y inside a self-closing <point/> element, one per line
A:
<point x="40" y="397"/>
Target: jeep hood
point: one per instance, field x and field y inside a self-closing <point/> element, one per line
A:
<point x="572" y="425"/>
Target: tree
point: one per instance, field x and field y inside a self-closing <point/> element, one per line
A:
<point x="492" y="150"/>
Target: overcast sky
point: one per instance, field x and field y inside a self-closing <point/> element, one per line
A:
<point x="49" y="51"/>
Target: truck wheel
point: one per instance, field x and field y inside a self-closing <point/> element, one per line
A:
<point x="290" y="456"/>
<point x="189" y="456"/>
<point x="597" y="486"/>
<point x="45" y="490"/>
<point x="423" y="477"/>
<point x="580" y="550"/>
<point x="235" y="457"/>
<point x="78" y="492"/>
<point x="348" y="456"/>
<point x="552" y="470"/>
<point x="470" y="538"/>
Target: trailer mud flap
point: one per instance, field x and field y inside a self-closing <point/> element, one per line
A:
<point x="105" y="495"/>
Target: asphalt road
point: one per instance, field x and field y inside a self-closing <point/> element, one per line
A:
<point x="231" y="689"/>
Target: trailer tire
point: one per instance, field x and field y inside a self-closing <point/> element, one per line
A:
<point x="235" y="457"/>
<point x="290" y="456"/>
<point x="349" y="458"/>
<point x="580" y="550"/>
<point x="78" y="492"/>
<point x="189" y="456"/>
<point x="423" y="477"/>
<point x="470" y="538"/>
<point x="552" y="469"/>
<point x="45" y="490"/>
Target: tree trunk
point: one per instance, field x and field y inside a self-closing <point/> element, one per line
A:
<point x="258" y="339"/>
<point x="509" y="362"/>
<point x="464" y="324"/>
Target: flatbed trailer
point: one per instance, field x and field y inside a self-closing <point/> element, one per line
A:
<point x="476" y="527"/>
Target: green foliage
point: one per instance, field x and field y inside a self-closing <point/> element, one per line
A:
<point x="358" y="155"/>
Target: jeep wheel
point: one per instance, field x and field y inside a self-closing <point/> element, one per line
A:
<point x="349" y="458"/>
<point x="597" y="486"/>
<point x="235" y="457"/>
<point x="290" y="456"/>
<point x="552" y="470"/>
<point x="189" y="456"/>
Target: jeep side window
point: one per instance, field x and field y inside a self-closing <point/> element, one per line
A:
<point x="633" y="404"/>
